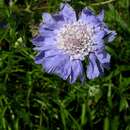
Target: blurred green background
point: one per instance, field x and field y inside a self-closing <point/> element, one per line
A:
<point x="31" y="99"/>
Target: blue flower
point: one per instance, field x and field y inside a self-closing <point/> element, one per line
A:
<point x="65" y="41"/>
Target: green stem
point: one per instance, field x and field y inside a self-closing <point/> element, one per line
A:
<point x="102" y="3"/>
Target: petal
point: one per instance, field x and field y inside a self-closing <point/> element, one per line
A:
<point x="52" y="52"/>
<point x="51" y="22"/>
<point x="49" y="41"/>
<point x="103" y="57"/>
<point x="39" y="58"/>
<point x="47" y="18"/>
<point x="68" y="13"/>
<point x="58" y="17"/>
<point x="46" y="31"/>
<point x="52" y="19"/>
<point x="38" y="40"/>
<point x="89" y="18"/>
<point x="110" y="35"/>
<point x="93" y="69"/>
<point x="98" y="38"/>
<point x="45" y="54"/>
<point x="53" y="25"/>
<point x="42" y="42"/>
<point x="101" y="15"/>
<point x="59" y="64"/>
<point x="76" y="71"/>
<point x="44" y="48"/>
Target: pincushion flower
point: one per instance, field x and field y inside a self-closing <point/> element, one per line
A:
<point x="64" y="41"/>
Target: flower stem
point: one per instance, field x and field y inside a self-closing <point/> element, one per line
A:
<point x="102" y="3"/>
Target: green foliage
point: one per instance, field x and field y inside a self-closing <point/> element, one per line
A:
<point x="31" y="99"/>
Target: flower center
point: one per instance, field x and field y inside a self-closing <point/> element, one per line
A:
<point x="75" y="39"/>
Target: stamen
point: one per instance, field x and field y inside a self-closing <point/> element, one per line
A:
<point x="75" y="39"/>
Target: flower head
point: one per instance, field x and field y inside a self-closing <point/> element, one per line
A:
<point x="65" y="41"/>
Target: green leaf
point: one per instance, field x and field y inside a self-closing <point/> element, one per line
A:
<point x="123" y="104"/>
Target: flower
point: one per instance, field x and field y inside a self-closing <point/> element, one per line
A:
<point x="65" y="41"/>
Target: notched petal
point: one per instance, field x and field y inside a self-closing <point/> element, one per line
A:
<point x="103" y="57"/>
<point x="76" y="71"/>
<point x="111" y="36"/>
<point x="101" y="15"/>
<point x="39" y="58"/>
<point x="58" y="17"/>
<point x="47" y="18"/>
<point x="38" y="40"/>
<point x="87" y="12"/>
<point x="93" y="70"/>
<point x="59" y="65"/>
<point x="89" y="18"/>
<point x="68" y="12"/>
